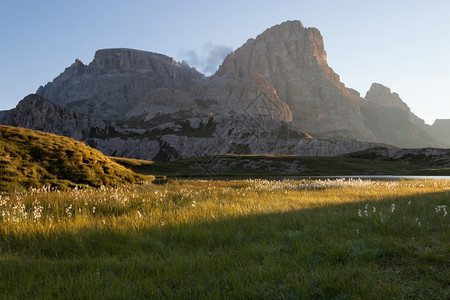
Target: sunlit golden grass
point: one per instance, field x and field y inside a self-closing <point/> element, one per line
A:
<point x="228" y="239"/>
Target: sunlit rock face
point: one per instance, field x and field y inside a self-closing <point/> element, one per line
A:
<point x="292" y="59"/>
<point x="116" y="81"/>
<point x="252" y="95"/>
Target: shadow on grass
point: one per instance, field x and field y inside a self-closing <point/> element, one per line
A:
<point x="395" y="247"/>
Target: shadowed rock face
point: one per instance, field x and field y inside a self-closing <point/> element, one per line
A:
<point x="193" y="136"/>
<point x="383" y="96"/>
<point x="391" y="120"/>
<point x="441" y="130"/>
<point x="38" y="113"/>
<point x="116" y="81"/>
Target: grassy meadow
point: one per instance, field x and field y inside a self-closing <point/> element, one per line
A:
<point x="319" y="239"/>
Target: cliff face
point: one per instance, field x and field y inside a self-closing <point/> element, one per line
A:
<point x="176" y="139"/>
<point x="116" y="81"/>
<point x="38" y="113"/>
<point x="292" y="60"/>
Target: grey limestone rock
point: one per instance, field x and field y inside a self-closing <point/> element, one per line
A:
<point x="392" y="122"/>
<point x="116" y="81"/>
<point x="441" y="130"/>
<point x="292" y="59"/>
<point x="38" y="113"/>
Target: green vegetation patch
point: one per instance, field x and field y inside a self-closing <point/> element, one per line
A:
<point x="31" y="159"/>
<point x="285" y="165"/>
<point x="245" y="239"/>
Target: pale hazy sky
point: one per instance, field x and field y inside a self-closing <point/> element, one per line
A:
<point x="404" y="45"/>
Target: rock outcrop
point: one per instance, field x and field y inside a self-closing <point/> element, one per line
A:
<point x="176" y="139"/>
<point x="37" y="113"/>
<point x="238" y="134"/>
<point x="116" y="81"/>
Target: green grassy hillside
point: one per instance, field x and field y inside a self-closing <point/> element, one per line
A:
<point x="31" y="158"/>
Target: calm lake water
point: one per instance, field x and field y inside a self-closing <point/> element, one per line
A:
<point x="280" y="177"/>
<point x="377" y="177"/>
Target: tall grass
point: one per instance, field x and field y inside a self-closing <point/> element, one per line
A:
<point x="229" y="239"/>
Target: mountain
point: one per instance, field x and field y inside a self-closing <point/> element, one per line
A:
<point x="176" y="139"/>
<point x="116" y="80"/>
<point x="38" y="113"/>
<point x="275" y="94"/>
<point x="391" y="121"/>
<point x="292" y="60"/>
<point x="441" y="130"/>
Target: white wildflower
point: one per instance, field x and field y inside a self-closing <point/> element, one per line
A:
<point x="443" y="208"/>
<point x="69" y="211"/>
<point x="392" y="207"/>
<point x="37" y="210"/>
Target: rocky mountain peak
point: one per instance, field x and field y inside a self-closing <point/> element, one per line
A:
<point x="441" y="130"/>
<point x="382" y="95"/>
<point x="128" y="60"/>
<point x="77" y="68"/>
<point x="292" y="33"/>
<point x="292" y="59"/>
<point x="116" y="81"/>
<point x="280" y="48"/>
<point x="78" y="62"/>
<point x="36" y="112"/>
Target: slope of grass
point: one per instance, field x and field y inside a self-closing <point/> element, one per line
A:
<point x="229" y="239"/>
<point x="31" y="159"/>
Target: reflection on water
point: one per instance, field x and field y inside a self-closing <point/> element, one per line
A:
<point x="281" y="177"/>
<point x="371" y="177"/>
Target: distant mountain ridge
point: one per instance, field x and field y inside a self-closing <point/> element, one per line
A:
<point x="116" y="80"/>
<point x="146" y="105"/>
